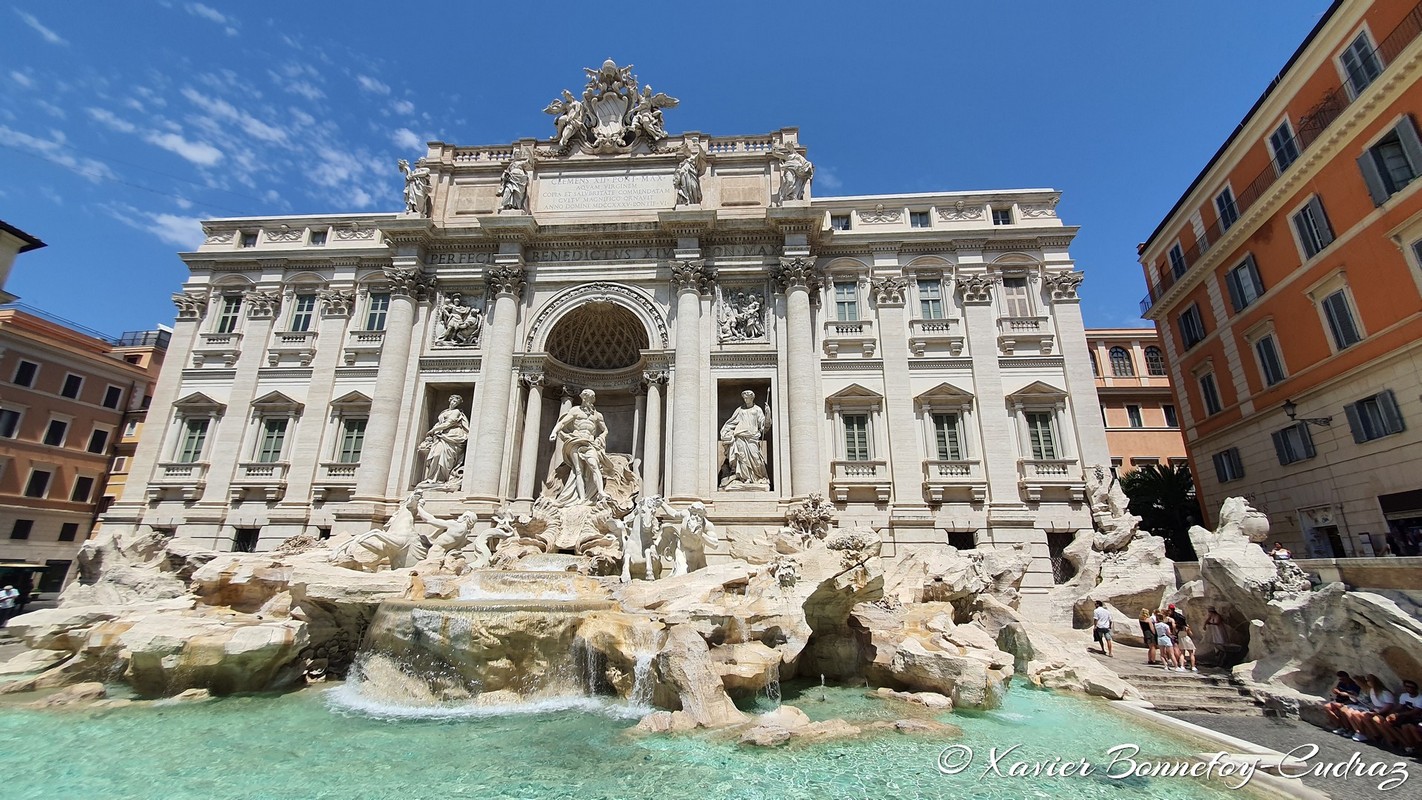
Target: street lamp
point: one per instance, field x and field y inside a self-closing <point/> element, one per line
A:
<point x="1291" y="410"/>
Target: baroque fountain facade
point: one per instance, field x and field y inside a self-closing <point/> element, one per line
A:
<point x="619" y="413"/>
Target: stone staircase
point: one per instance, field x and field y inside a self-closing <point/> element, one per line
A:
<point x="1209" y="691"/>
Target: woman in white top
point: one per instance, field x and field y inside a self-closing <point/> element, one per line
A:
<point x="1375" y="703"/>
<point x="1163" y="640"/>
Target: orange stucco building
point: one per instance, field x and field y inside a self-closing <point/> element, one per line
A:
<point x="1142" y="421"/>
<point x="1287" y="288"/>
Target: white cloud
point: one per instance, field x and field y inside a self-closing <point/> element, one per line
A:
<point x="224" y="110"/>
<point x="213" y="15"/>
<point x="21" y="79"/>
<point x="184" y="232"/>
<point x="406" y="138"/>
<point x="403" y="107"/>
<point x="110" y="120"/>
<point x="56" y="151"/>
<point x="826" y="179"/>
<point x="183" y="203"/>
<point x="306" y="89"/>
<point x="372" y="85"/>
<point x="48" y="35"/>
<point x="200" y="153"/>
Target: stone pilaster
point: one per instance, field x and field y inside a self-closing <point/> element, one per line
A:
<point x="373" y="476"/>
<point x="506" y="282"/>
<point x="227" y="448"/>
<point x="306" y="455"/>
<point x="905" y="452"/>
<point x="797" y="278"/>
<point x="998" y="434"/>
<point x="689" y="280"/>
<point x="1080" y="383"/>
<point x="532" y="427"/>
<point x="652" y="438"/>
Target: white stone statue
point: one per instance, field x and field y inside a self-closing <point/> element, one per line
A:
<point x="569" y="119"/>
<point x="513" y="187"/>
<point x="742" y="434"/>
<point x="581" y="437"/>
<point x="461" y="323"/>
<point x="454" y="533"/>
<point x="742" y="317"/>
<point x="417" y="188"/>
<point x="687" y="178"/>
<point x="443" y="446"/>
<point x="647" y="115"/>
<point x="397" y="544"/>
<point x="795" y="174"/>
<point x="687" y="539"/>
<point x="639" y="539"/>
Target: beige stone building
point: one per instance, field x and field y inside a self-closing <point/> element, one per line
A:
<point x="64" y="396"/>
<point x="919" y="359"/>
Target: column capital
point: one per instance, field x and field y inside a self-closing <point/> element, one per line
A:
<point x="406" y="281"/>
<point x="191" y="305"/>
<point x="261" y="303"/>
<point x="655" y="376"/>
<point x="532" y="380"/>
<point x="889" y="291"/>
<point x="336" y="302"/>
<point x="691" y="275"/>
<point x="976" y="286"/>
<point x="1063" y="285"/>
<point x="797" y="271"/>
<point x="506" y="279"/>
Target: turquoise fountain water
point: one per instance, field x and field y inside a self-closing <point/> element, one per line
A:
<point x="328" y="744"/>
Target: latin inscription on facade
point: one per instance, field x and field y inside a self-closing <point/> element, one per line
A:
<point x="605" y="192"/>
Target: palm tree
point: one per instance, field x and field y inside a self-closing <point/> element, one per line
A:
<point x="1164" y="499"/>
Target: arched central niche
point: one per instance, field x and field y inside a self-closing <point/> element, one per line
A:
<point x="598" y="335"/>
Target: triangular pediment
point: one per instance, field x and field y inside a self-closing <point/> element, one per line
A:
<point x="351" y="400"/>
<point x="945" y="394"/>
<point x="276" y="401"/>
<point x="1038" y="390"/>
<point x="197" y="401"/>
<point x="854" y="396"/>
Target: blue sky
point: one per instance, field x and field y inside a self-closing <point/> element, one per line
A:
<point x="124" y="124"/>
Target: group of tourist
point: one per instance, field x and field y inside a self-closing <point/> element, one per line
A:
<point x="1169" y="640"/>
<point x="1367" y="710"/>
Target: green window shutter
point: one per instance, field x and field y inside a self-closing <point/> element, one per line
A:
<point x="1373" y="177"/>
<point x="1355" y="423"/>
<point x="1307" y="439"/>
<point x="1392" y="416"/>
<point x="1281" y="448"/>
<point x="1411" y="145"/>
<point x="1236" y="294"/>
<point x="1325" y="230"/>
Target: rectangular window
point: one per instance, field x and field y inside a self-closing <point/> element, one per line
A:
<point x="1002" y="216"/>
<point x="918" y="219"/>
<point x="72" y="386"/>
<point x="9" y="423"/>
<point x="83" y="487"/>
<point x="1172" y="420"/>
<point x="1040" y="436"/>
<point x="1361" y="64"/>
<point x="379" y="307"/>
<point x="68" y="532"/>
<point x="244" y="540"/>
<point x="120" y="464"/>
<point x="856" y="437"/>
<point x="1244" y="284"/>
<point x="1192" y="327"/>
<point x="301" y="312"/>
<point x="130" y="428"/>
<point x="1293" y="443"/>
<point x="1270" y="365"/>
<point x="25" y="373"/>
<point x="1016" y="302"/>
<point x="54" y="434"/>
<point x="1374" y="417"/>
<point x="1341" y="325"/>
<point x="930" y="299"/>
<point x="352" y="440"/>
<point x="1228" y="211"/>
<point x="1228" y="467"/>
<point x="194" y="437"/>
<point x="1284" y="146"/>
<point x="22" y="529"/>
<point x="273" y="437"/>
<point x="229" y="313"/>
<point x="1133" y="413"/>
<point x="839" y="222"/>
<point x="318" y="239"/>
<point x="1393" y="162"/>
<point x="1313" y="229"/>
<point x="98" y="441"/>
<point x="247" y="240"/>
<point x="948" y="437"/>
<point x="113" y="396"/>
<point x="1210" y="393"/>
<point x="1177" y="260"/>
<point x="38" y="484"/>
<point x="846" y="301"/>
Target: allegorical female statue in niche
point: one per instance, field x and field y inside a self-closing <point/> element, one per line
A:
<point x="742" y="434"/>
<point x="443" y="445"/>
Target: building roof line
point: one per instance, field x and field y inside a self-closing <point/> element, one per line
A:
<point x="31" y="242"/>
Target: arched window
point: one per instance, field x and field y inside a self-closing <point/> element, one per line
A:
<point x="1095" y="370"/>
<point x="1155" y="362"/>
<point x="1121" y="365"/>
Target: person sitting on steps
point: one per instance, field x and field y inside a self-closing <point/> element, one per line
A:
<point x="1345" y="693"/>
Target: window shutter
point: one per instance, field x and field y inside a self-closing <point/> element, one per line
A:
<point x="1411" y="145"/>
<point x="1279" y="448"/>
<point x="1372" y="177"/>
<point x="1236" y="294"/>
<point x="1307" y="439"/>
<point x="1235" y="460"/>
<point x="1219" y="458"/>
<point x="1392" y="416"/>
<point x="1252" y="269"/>
<point x="1325" y="230"/>
<point x="1355" y="423"/>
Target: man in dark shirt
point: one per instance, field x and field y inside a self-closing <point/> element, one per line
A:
<point x="1345" y="693"/>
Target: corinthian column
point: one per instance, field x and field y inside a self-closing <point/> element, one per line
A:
<point x="506" y="283"/>
<point x="798" y="277"/>
<point x="690" y="279"/>
<point x="373" y="477"/>
<point x="532" y="422"/>
<point x="652" y="439"/>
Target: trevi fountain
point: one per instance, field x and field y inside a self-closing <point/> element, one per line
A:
<point x="536" y="605"/>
